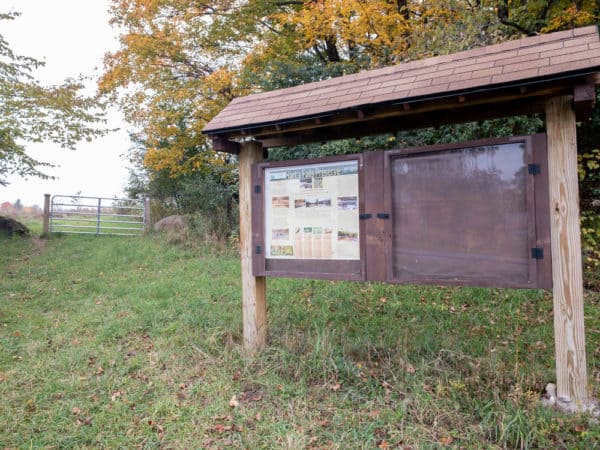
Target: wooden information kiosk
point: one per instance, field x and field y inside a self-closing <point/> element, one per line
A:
<point x="515" y="199"/>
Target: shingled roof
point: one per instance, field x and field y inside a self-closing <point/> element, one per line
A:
<point x="528" y="61"/>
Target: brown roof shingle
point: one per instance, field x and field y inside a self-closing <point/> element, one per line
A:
<point x="510" y="62"/>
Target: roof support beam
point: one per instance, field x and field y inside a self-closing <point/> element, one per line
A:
<point x="225" y="145"/>
<point x="584" y="99"/>
<point x="417" y="119"/>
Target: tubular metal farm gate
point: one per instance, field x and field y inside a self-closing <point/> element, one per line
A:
<point x="96" y="215"/>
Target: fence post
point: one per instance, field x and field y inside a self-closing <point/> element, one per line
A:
<point x="147" y="216"/>
<point x="46" y="225"/>
<point x="99" y="211"/>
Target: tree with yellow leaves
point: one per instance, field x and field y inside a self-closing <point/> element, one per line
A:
<point x="181" y="61"/>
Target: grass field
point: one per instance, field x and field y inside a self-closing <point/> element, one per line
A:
<point x="119" y="342"/>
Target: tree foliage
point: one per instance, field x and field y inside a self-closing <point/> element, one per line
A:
<point x="31" y="112"/>
<point x="181" y="61"/>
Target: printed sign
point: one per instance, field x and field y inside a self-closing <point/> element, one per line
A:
<point x="311" y="211"/>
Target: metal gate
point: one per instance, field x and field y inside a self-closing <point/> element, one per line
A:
<point x="96" y="215"/>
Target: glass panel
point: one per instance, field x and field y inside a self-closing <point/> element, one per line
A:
<point x="461" y="215"/>
<point x="311" y="211"/>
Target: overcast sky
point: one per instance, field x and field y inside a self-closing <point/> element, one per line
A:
<point x="71" y="36"/>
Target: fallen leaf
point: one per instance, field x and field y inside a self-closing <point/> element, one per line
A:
<point x="17" y="334"/>
<point x="336" y="387"/>
<point x="84" y="421"/>
<point x="234" y="403"/>
<point x="99" y="371"/>
<point x="579" y="428"/>
<point x="383" y="444"/>
<point x="115" y="395"/>
<point x="75" y="410"/>
<point x="223" y="417"/>
<point x="447" y="440"/>
<point x="410" y="368"/>
<point x="258" y="417"/>
<point x="220" y="428"/>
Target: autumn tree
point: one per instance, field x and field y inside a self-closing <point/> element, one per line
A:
<point x="180" y="62"/>
<point x="31" y="112"/>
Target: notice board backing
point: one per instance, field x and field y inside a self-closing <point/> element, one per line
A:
<point x="473" y="213"/>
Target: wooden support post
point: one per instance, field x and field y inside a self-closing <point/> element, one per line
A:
<point x="569" y="336"/>
<point x="46" y="223"/>
<point x="253" y="288"/>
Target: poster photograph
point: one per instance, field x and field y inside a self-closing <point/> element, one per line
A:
<point x="311" y="211"/>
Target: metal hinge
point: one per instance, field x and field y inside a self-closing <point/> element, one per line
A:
<point x="383" y="216"/>
<point x="533" y="169"/>
<point x="365" y="216"/>
<point x="537" y="253"/>
<point x="258" y="250"/>
<point x="257" y="189"/>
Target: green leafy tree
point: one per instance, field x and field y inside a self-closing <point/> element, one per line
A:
<point x="31" y="112"/>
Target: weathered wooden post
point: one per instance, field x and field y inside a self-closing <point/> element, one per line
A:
<point x="147" y="215"/>
<point x="569" y="336"/>
<point x="254" y="289"/>
<point x="46" y="223"/>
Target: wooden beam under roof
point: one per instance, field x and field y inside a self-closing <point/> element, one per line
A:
<point x="389" y="118"/>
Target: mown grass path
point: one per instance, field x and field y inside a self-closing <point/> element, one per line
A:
<point x="113" y="342"/>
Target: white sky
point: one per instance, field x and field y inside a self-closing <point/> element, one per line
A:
<point x="71" y="36"/>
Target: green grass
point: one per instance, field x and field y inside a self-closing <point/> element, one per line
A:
<point x="116" y="342"/>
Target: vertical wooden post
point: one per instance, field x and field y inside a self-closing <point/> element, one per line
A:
<point x="254" y="289"/>
<point x="569" y="336"/>
<point x="46" y="223"/>
<point x="147" y="215"/>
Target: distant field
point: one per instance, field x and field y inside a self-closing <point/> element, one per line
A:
<point x="126" y="342"/>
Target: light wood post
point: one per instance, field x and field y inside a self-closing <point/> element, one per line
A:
<point x="46" y="223"/>
<point x="254" y="289"/>
<point x="147" y="215"/>
<point x="569" y="336"/>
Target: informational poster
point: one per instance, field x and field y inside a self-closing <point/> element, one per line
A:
<point x="311" y="211"/>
